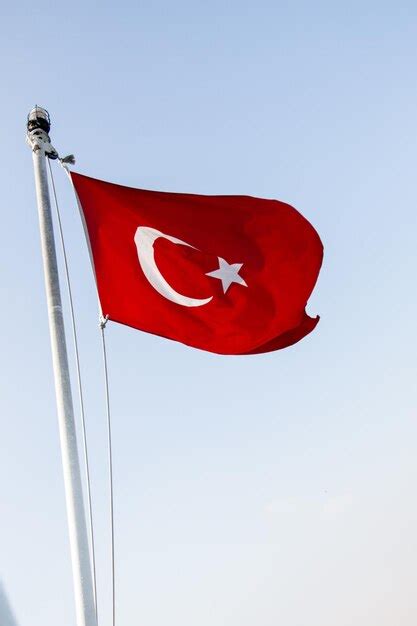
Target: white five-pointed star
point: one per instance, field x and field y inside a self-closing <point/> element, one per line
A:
<point x="228" y="273"/>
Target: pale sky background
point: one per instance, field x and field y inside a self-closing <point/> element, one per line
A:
<point x="269" y="490"/>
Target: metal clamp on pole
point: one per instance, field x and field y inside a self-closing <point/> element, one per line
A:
<point x="38" y="127"/>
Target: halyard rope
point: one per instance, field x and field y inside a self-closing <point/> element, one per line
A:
<point x="79" y="384"/>
<point x="103" y="322"/>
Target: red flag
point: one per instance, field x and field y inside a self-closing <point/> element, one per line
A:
<point x="227" y="274"/>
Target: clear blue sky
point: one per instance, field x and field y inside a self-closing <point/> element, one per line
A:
<point x="269" y="490"/>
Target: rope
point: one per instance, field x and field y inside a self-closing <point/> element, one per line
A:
<point x="79" y="384"/>
<point x="103" y="322"/>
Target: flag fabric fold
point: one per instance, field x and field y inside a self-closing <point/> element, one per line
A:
<point x="226" y="274"/>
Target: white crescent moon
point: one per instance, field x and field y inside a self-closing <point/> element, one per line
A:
<point x="144" y="239"/>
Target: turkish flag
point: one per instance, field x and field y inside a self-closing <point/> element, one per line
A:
<point x="227" y="274"/>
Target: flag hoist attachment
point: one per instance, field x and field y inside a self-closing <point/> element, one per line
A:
<point x="38" y="127"/>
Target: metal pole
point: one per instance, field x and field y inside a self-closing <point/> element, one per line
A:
<point x="39" y="141"/>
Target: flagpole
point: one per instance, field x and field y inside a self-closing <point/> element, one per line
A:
<point x="38" y="127"/>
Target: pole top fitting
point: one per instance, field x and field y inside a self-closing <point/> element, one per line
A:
<point x="38" y="126"/>
<point x="39" y="118"/>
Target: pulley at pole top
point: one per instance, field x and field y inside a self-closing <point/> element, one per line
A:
<point x="38" y="127"/>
